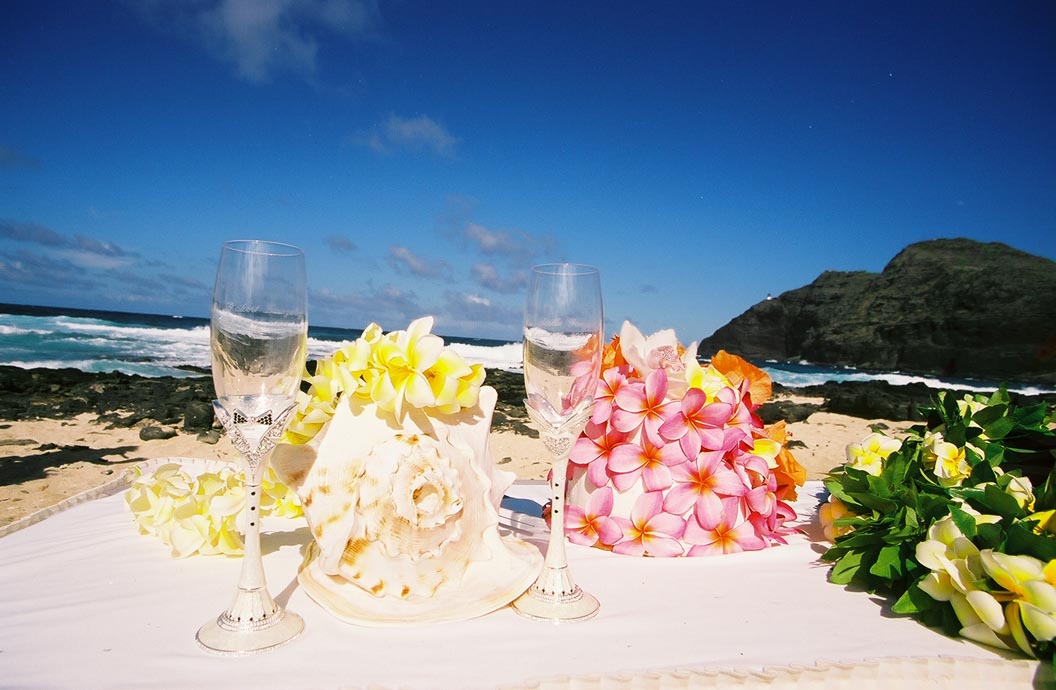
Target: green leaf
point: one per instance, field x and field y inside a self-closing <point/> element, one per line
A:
<point x="880" y="505"/>
<point x="994" y="501"/>
<point x="847" y="568"/>
<point x="999" y="428"/>
<point x="956" y="434"/>
<point x="913" y="601"/>
<point x="1021" y="539"/>
<point x="999" y="397"/>
<point x="989" y="414"/>
<point x="989" y="535"/>
<point x="995" y="455"/>
<point x="888" y="563"/>
<point x="964" y="522"/>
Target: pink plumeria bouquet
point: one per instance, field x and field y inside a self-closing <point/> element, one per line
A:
<point x="674" y="461"/>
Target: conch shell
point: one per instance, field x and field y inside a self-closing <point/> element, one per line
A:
<point x="405" y="516"/>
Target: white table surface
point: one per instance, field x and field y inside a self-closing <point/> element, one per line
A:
<point x="88" y="602"/>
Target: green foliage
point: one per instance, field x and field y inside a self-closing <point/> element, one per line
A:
<point x="893" y="511"/>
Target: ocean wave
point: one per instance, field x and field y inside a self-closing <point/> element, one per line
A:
<point x="800" y="378"/>
<point x="102" y="366"/>
<point x="506" y="357"/>
<point x="15" y="330"/>
<point x="137" y="347"/>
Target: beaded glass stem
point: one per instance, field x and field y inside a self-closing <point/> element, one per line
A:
<point x="258" y="335"/>
<point x="562" y="361"/>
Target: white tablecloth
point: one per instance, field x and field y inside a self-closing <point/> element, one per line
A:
<point x="87" y="602"/>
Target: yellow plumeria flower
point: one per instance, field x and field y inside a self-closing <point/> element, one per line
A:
<point x="1046" y="521"/>
<point x="869" y="454"/>
<point x="947" y="550"/>
<point x="767" y="449"/>
<point x="1030" y="581"/>
<point x="1021" y="489"/>
<point x="968" y="406"/>
<point x="708" y="379"/>
<point x="201" y="514"/>
<point x="416" y="369"/>
<point x="397" y="371"/>
<point x="948" y="461"/>
<point x="829" y="513"/>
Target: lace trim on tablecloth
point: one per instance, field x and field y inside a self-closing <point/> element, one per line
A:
<point x="110" y="488"/>
<point x="933" y="673"/>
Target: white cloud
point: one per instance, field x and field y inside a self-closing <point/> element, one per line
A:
<point x="471" y="314"/>
<point x="506" y="282"/>
<point x="10" y="158"/>
<point x="421" y="133"/>
<point x="86" y="252"/>
<point x="516" y="244"/>
<point x="340" y="243"/>
<point x="404" y="259"/>
<point x="261" y="38"/>
<point x="389" y="306"/>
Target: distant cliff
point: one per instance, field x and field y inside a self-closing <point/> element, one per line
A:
<point x="952" y="307"/>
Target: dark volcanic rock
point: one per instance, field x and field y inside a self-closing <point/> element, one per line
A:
<point x="952" y="307"/>
<point x="211" y="437"/>
<point x="882" y="400"/>
<point x="116" y="399"/>
<point x="120" y="400"/>
<point x="787" y="410"/>
<point x="198" y="415"/>
<point x="153" y="432"/>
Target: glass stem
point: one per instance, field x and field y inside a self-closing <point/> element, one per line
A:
<point x="555" y="550"/>
<point x="252" y="575"/>
<point x="555" y="581"/>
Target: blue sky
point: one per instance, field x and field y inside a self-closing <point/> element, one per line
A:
<point x="425" y="155"/>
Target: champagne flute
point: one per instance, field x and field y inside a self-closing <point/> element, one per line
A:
<point x="259" y="332"/>
<point x="562" y="361"/>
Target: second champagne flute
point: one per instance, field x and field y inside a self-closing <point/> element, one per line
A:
<point x="563" y="331"/>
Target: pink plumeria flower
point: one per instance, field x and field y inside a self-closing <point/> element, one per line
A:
<point x="697" y="423"/>
<point x="650" y="531"/>
<point x="652" y="463"/>
<point x="773" y="526"/>
<point x="705" y="484"/>
<point x="588" y="527"/>
<point x="762" y="499"/>
<point x="594" y="450"/>
<point x="583" y="386"/>
<point x="732" y="535"/>
<point x="752" y="469"/>
<point x="644" y="406"/>
<point x="612" y="379"/>
<point x="742" y="415"/>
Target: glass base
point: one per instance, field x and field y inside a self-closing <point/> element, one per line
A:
<point x="551" y="608"/>
<point x="233" y="638"/>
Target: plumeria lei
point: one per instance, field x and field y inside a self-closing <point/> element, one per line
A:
<point x="957" y="520"/>
<point x="201" y="514"/>
<point x="398" y="371"/>
<point x="712" y="478"/>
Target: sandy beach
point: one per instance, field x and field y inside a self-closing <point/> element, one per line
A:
<point x="46" y="461"/>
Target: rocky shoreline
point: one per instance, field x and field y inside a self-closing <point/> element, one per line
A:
<point x="167" y="405"/>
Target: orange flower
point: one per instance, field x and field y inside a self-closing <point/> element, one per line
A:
<point x="789" y="472"/>
<point x="737" y="369"/>
<point x="612" y="356"/>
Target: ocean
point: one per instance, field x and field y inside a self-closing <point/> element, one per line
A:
<point x="155" y="345"/>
